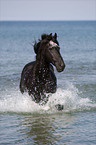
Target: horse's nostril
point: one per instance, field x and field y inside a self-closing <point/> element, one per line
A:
<point x="62" y="65"/>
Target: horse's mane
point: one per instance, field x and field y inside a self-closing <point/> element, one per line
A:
<point x="44" y="37"/>
<point x="37" y="44"/>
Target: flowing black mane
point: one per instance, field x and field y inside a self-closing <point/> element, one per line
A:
<point x="38" y="77"/>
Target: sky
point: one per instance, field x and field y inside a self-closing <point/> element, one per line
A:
<point x="47" y="10"/>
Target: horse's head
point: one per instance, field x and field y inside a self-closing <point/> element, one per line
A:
<point x="49" y="49"/>
<point x="53" y="53"/>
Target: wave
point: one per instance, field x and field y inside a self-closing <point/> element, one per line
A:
<point x="14" y="101"/>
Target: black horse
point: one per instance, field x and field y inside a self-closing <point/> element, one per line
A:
<point x="38" y="77"/>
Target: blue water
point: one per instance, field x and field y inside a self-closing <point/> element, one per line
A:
<point x="22" y="121"/>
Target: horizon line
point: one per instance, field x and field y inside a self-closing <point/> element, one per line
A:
<point x="43" y="20"/>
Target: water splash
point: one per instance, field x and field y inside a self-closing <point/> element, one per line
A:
<point x="69" y="98"/>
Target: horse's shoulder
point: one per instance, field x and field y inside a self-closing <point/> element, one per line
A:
<point x="30" y="65"/>
<point x="24" y="76"/>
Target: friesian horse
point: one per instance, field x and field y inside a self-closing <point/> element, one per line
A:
<point x="38" y="77"/>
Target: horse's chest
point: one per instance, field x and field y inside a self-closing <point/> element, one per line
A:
<point x="44" y="83"/>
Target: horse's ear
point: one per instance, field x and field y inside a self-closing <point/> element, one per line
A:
<point x="50" y="36"/>
<point x="55" y="36"/>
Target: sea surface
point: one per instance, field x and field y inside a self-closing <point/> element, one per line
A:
<point x="22" y="121"/>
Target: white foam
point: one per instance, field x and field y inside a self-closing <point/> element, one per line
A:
<point x="70" y="98"/>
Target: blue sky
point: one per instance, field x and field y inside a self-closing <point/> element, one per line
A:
<point x="47" y="10"/>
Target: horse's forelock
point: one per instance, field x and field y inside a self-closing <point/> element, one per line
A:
<point x="53" y="44"/>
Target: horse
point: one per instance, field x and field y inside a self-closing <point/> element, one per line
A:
<point x="38" y="77"/>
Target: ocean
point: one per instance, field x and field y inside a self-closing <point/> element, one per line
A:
<point x="22" y="121"/>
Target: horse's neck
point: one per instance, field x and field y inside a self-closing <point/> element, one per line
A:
<point x="42" y="70"/>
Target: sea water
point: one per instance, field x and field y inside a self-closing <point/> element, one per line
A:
<point x="22" y="121"/>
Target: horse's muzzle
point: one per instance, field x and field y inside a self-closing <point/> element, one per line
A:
<point x="60" y="66"/>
